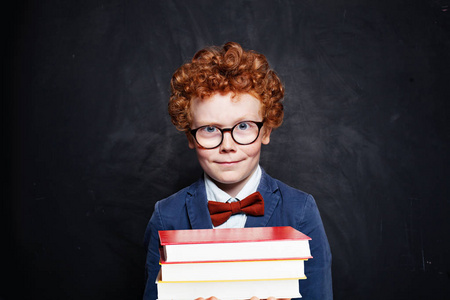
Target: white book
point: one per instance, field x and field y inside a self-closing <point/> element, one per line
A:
<point x="227" y="290"/>
<point x="235" y="270"/>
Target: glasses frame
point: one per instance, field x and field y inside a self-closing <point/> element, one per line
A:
<point x="223" y="130"/>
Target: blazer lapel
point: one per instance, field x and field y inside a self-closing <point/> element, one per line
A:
<point x="269" y="190"/>
<point x="197" y="207"/>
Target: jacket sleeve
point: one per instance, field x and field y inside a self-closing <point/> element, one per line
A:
<point x="152" y="262"/>
<point x="318" y="285"/>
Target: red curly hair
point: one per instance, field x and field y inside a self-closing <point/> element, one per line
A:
<point x="222" y="70"/>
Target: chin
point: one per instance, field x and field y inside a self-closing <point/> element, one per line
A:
<point x="231" y="180"/>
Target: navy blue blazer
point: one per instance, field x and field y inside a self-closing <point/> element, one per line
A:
<point x="283" y="205"/>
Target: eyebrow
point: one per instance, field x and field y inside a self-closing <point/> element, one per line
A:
<point x="220" y="126"/>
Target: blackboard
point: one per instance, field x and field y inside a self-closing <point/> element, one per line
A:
<point x="92" y="148"/>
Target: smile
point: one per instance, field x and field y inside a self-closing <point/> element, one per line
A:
<point x="227" y="163"/>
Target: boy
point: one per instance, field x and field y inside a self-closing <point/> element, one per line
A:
<point x="227" y="101"/>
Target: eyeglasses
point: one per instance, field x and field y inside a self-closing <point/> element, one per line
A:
<point x="243" y="133"/>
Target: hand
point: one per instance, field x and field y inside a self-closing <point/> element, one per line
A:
<point x="270" y="298"/>
<point x="252" y="298"/>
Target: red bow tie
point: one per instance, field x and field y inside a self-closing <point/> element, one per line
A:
<point x="250" y="205"/>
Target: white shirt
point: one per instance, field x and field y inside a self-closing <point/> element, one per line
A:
<point x="214" y="193"/>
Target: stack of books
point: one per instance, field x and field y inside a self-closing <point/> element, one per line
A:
<point x="235" y="263"/>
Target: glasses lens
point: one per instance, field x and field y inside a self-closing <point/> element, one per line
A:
<point x="209" y="136"/>
<point x="245" y="132"/>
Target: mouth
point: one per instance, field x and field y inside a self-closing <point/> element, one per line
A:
<point x="228" y="163"/>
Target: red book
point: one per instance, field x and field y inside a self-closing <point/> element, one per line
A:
<point x="234" y="244"/>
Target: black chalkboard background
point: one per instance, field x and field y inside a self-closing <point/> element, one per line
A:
<point x="366" y="131"/>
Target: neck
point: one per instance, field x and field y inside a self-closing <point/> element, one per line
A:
<point x="233" y="189"/>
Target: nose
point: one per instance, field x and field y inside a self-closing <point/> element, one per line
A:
<point x="228" y="144"/>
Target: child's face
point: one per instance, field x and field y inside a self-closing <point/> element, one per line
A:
<point x="230" y="165"/>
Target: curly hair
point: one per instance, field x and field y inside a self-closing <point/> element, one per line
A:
<point x="222" y="70"/>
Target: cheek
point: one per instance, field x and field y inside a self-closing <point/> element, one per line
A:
<point x="203" y="155"/>
<point x="252" y="150"/>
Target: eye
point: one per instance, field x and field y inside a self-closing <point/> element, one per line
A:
<point x="243" y="126"/>
<point x="209" y="129"/>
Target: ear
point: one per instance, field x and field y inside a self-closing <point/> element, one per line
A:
<point x="266" y="135"/>
<point x="191" y="140"/>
